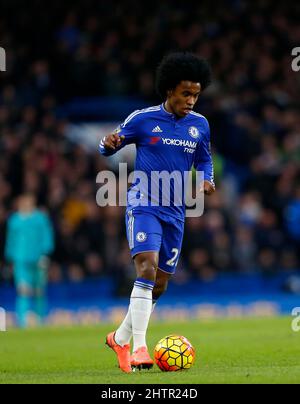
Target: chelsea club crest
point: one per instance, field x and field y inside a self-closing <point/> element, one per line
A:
<point x="141" y="237"/>
<point x="194" y="132"/>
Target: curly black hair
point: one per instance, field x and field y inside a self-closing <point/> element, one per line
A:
<point x="180" y="66"/>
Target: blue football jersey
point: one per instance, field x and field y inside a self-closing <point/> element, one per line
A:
<point x="29" y="237"/>
<point x="167" y="144"/>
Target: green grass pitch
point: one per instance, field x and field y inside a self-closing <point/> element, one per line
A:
<point x="227" y="351"/>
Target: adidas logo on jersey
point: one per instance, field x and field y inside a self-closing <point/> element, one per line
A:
<point x="156" y="130"/>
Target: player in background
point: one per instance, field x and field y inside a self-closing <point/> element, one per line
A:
<point x="29" y="242"/>
<point x="168" y="137"/>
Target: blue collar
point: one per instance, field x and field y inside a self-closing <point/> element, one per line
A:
<point x="170" y="114"/>
<point x="162" y="107"/>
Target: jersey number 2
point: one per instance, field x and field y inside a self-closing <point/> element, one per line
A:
<point x="171" y="262"/>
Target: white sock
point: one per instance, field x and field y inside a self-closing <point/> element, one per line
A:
<point x="140" y="308"/>
<point x="124" y="332"/>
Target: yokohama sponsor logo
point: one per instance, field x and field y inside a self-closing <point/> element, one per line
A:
<point x="179" y="142"/>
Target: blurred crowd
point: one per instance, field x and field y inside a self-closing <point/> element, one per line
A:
<point x="111" y="48"/>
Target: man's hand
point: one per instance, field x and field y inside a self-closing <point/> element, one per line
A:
<point x="207" y="187"/>
<point x="113" y="141"/>
<point x="44" y="263"/>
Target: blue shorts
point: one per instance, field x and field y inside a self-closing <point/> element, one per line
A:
<point x="148" y="232"/>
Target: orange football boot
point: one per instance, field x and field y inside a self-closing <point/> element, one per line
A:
<point x="122" y="352"/>
<point x="141" y="359"/>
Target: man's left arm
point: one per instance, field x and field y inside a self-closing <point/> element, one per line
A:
<point x="204" y="162"/>
<point x="48" y="236"/>
<point x="47" y="240"/>
<point x="10" y="241"/>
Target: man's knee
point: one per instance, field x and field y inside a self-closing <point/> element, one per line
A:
<point x="161" y="283"/>
<point x="146" y="266"/>
<point x="39" y="292"/>
<point x="159" y="289"/>
<point x="24" y="290"/>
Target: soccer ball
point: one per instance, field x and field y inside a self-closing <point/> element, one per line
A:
<point x="174" y="353"/>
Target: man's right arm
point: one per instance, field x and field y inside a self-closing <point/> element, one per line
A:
<point x="110" y="144"/>
<point x="125" y="134"/>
